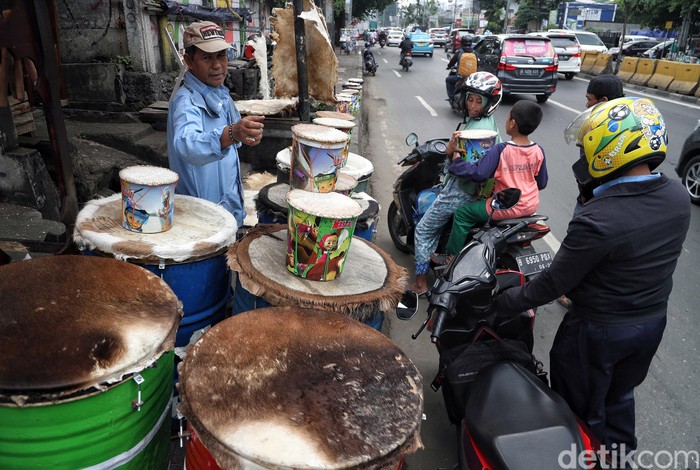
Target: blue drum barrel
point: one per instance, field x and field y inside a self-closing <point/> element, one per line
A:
<point x="190" y="257"/>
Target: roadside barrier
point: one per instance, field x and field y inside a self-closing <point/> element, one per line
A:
<point x="645" y="69"/>
<point x="686" y="79"/>
<point x="628" y="68"/>
<point x="602" y="64"/>
<point x="588" y="61"/>
<point x="663" y="75"/>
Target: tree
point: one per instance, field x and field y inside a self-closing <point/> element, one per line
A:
<point x="534" y="11"/>
<point x="362" y="8"/>
<point x="493" y="12"/>
<point x="655" y="14"/>
<point x="410" y="14"/>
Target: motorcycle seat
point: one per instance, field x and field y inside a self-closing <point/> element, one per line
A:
<point x="517" y="422"/>
<point x="530" y="220"/>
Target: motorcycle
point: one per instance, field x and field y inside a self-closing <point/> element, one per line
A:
<point x="414" y="191"/>
<point x="370" y="64"/>
<point x="507" y="417"/>
<point x="382" y="42"/>
<point x="458" y="101"/>
<point x="406" y="62"/>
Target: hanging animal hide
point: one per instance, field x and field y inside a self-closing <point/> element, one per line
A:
<point x="321" y="61"/>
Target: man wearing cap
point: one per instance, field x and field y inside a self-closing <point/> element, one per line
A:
<point x="205" y="128"/>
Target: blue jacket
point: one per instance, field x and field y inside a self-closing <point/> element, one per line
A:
<point x="194" y="151"/>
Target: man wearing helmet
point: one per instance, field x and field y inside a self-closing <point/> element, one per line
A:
<point x="483" y="97"/>
<point x="451" y="80"/>
<point x="616" y="264"/>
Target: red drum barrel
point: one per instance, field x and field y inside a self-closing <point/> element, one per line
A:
<point x="300" y="389"/>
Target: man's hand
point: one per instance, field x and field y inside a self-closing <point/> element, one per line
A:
<point x="453" y="151"/>
<point x="249" y="130"/>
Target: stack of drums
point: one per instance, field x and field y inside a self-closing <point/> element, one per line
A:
<point x="190" y="257"/>
<point x="299" y="388"/>
<point x="86" y="377"/>
<point x="356" y="166"/>
<point x="341" y="125"/>
<point x="272" y="208"/>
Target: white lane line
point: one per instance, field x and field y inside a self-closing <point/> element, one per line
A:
<point x="551" y="242"/>
<point x="633" y="92"/>
<point x="427" y="106"/>
<point x="563" y="106"/>
<point x="385" y="61"/>
<point x="397" y="73"/>
<point x="444" y="60"/>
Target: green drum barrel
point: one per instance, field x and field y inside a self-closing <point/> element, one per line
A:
<point x="97" y="429"/>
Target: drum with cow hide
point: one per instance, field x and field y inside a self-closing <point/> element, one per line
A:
<point x="190" y="257"/>
<point x="298" y="388"/>
<point x="86" y="376"/>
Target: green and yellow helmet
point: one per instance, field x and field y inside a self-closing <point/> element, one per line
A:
<point x="616" y="135"/>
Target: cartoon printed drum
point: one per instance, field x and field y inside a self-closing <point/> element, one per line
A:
<point x="86" y="376"/>
<point x="148" y="193"/>
<point x="299" y="388"/>
<point x="342" y="125"/>
<point x="190" y="257"/>
<point x="475" y="143"/>
<point x="321" y="227"/>
<point x="317" y="153"/>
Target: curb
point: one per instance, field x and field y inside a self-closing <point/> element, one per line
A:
<point x="653" y="91"/>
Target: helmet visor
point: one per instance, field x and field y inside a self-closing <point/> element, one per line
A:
<point x="573" y="130"/>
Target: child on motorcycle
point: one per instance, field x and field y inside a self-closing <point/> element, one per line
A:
<point x="518" y="163"/>
<point x="483" y="91"/>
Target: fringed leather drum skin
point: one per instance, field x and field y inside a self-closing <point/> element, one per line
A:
<point x="284" y="387"/>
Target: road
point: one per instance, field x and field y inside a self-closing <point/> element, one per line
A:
<point x="400" y="102"/>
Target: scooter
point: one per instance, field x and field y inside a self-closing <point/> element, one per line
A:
<point x="495" y="390"/>
<point x="406" y="62"/>
<point x="370" y="64"/>
<point x="382" y="43"/>
<point x="414" y="191"/>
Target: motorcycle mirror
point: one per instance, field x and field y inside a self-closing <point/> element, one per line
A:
<point x="411" y="138"/>
<point x="408" y="305"/>
<point x="505" y="199"/>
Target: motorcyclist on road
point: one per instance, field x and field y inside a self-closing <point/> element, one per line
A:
<point x="382" y="36"/>
<point x="406" y="45"/>
<point x="451" y="80"/>
<point x="367" y="55"/>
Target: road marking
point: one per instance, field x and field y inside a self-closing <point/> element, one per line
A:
<point x="444" y="60"/>
<point x="563" y="106"/>
<point x="552" y="242"/>
<point x="660" y="98"/>
<point x="385" y="61"/>
<point x="427" y="106"/>
<point x="397" y="74"/>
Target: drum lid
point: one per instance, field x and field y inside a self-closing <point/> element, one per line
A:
<point x="335" y="123"/>
<point x="148" y="175"/>
<point x="477" y="134"/>
<point x="273" y="197"/>
<point x="357" y="166"/>
<point x="370" y="207"/>
<point x="284" y="158"/>
<point x="73" y="322"/>
<point x="345" y="183"/>
<point x="202" y="230"/>
<point x="329" y="205"/>
<point x="321" y="134"/>
<point x="335" y="115"/>
<point x="300" y="388"/>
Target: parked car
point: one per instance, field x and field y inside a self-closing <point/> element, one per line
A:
<point x="394" y="38"/>
<point x="525" y="64"/>
<point x="439" y="36"/>
<point x="632" y="37"/>
<point x="688" y="167"/>
<point x="568" y="52"/>
<point x="454" y="41"/>
<point x="633" y="48"/>
<point x="660" y="50"/>
<point x="422" y="44"/>
<point x="587" y="40"/>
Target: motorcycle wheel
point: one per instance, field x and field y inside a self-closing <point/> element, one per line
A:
<point x="397" y="229"/>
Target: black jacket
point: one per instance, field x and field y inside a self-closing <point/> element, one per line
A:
<point x="617" y="259"/>
<point x="406" y="45"/>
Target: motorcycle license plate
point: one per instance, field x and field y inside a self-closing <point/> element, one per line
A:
<point x="534" y="263"/>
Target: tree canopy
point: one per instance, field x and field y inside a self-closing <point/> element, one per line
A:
<point x="653" y="13"/>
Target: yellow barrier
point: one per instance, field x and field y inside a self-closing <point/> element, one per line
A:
<point x="602" y="64"/>
<point x="686" y="79"/>
<point x="588" y="61"/>
<point x="645" y="69"/>
<point x="627" y="69"/>
<point x="663" y="75"/>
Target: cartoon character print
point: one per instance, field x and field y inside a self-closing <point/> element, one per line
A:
<point x="653" y="126"/>
<point x="165" y="213"/>
<point x="134" y="216"/>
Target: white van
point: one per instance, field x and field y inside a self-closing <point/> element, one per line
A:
<point x="588" y="41"/>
